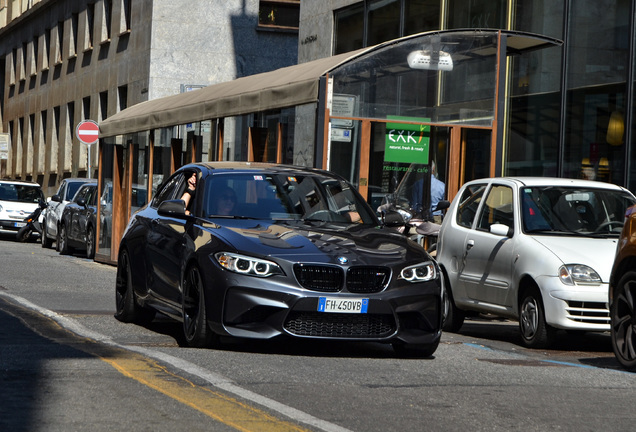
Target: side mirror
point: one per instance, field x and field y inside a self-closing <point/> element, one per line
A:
<point x="501" y="230"/>
<point x="81" y="202"/>
<point x="393" y="219"/>
<point x="56" y="198"/>
<point x="442" y="205"/>
<point x="172" y="208"/>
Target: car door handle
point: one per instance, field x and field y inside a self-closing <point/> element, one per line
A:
<point x="470" y="244"/>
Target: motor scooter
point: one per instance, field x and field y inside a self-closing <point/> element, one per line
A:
<point x="33" y="223"/>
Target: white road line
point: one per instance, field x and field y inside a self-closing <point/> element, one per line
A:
<point x="214" y="379"/>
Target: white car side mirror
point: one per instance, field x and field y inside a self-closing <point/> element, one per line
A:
<point x="501" y="230"/>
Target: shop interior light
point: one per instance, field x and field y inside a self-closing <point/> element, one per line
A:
<point x="423" y="59"/>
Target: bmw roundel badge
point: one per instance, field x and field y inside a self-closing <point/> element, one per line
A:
<point x="342" y="260"/>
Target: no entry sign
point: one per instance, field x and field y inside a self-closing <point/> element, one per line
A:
<point x="87" y="131"/>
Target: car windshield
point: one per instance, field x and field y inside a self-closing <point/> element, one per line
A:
<point x="551" y="209"/>
<point x="20" y="193"/>
<point x="309" y="197"/>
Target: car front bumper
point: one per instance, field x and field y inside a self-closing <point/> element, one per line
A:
<point x="579" y="307"/>
<point x="264" y="309"/>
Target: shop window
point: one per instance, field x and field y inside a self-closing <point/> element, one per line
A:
<point x="384" y="21"/>
<point x="279" y="14"/>
<point x="483" y="14"/>
<point x="349" y="29"/>
<point x="421" y="16"/>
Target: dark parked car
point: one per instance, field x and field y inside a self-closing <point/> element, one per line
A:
<point x="78" y="223"/>
<point x="622" y="295"/>
<point x="53" y="214"/>
<point x="267" y="250"/>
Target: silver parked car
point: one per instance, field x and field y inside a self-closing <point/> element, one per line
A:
<point x="53" y="214"/>
<point x="537" y="250"/>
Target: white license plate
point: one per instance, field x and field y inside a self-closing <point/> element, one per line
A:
<point x="340" y="305"/>
<point x="19" y="224"/>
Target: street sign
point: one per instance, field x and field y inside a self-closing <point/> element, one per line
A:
<point x="87" y="131"/>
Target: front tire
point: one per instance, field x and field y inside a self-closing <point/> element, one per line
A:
<point x="24" y="234"/>
<point x="62" y="240"/>
<point x="195" y="324"/>
<point x="623" y="321"/>
<point x="126" y="308"/>
<point x="45" y="240"/>
<point x="535" y="332"/>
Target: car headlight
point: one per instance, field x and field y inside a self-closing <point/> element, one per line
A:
<point x="247" y="265"/>
<point x="571" y="274"/>
<point x="420" y="272"/>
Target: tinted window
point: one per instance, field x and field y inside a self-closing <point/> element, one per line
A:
<point x="280" y="196"/>
<point x="71" y="190"/>
<point x="20" y="193"/>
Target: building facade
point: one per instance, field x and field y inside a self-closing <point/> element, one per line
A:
<point x="569" y="109"/>
<point x="64" y="61"/>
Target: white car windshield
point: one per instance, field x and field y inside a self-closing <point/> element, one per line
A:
<point x="571" y="210"/>
<point x="20" y="193"/>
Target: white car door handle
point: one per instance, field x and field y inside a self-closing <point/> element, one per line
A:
<point x="470" y="244"/>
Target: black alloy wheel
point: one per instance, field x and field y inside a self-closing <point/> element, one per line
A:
<point x="195" y="326"/>
<point x="90" y="243"/>
<point x="535" y="332"/>
<point x="126" y="307"/>
<point x="623" y="321"/>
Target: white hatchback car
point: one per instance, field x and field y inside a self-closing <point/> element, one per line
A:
<point x="537" y="250"/>
<point x="18" y="199"/>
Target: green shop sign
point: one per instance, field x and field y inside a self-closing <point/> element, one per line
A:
<point x="407" y="143"/>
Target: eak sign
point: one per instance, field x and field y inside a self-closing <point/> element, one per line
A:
<point x="407" y="143"/>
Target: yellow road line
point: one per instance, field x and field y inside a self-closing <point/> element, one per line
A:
<point x="218" y="406"/>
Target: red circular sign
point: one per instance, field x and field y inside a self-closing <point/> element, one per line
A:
<point x="87" y="131"/>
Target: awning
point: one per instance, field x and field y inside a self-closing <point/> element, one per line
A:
<point x="281" y="88"/>
<point x="285" y="87"/>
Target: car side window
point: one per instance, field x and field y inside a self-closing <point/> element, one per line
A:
<point x="468" y="204"/>
<point x="498" y="208"/>
<point x="168" y="190"/>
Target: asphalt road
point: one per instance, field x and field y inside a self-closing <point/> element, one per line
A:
<point x="67" y="364"/>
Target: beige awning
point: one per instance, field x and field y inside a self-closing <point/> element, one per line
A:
<point x="285" y="87"/>
<point x="281" y="88"/>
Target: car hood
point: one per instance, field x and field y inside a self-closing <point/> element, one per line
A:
<point x="15" y="208"/>
<point x="597" y="253"/>
<point x="321" y="243"/>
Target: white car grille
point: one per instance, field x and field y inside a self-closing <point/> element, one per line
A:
<point x="588" y="312"/>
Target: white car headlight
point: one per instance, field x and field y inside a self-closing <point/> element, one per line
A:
<point x="572" y="274"/>
<point x="420" y="272"/>
<point x="247" y="265"/>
